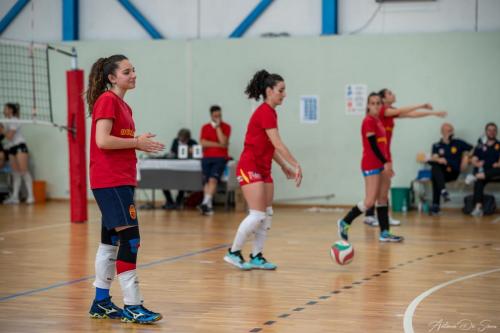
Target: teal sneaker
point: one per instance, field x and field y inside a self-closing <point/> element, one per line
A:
<point x="343" y="228"/>
<point x="236" y="259"/>
<point x="259" y="262"/>
<point x="139" y="314"/>
<point x="387" y="236"/>
<point x="105" y="309"/>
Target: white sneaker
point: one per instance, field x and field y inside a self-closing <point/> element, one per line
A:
<point x="11" y="201"/>
<point x="394" y="222"/>
<point x="30" y="201"/>
<point x="477" y="212"/>
<point x="372" y="221"/>
<point x="470" y="179"/>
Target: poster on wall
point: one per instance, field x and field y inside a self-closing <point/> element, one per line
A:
<point x="309" y="109"/>
<point x="355" y="99"/>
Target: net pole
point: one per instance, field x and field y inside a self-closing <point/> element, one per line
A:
<point x="48" y="84"/>
<point x="76" y="145"/>
<point x="33" y="81"/>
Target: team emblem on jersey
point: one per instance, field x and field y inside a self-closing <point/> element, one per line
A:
<point x="127" y="132"/>
<point x="441" y="151"/>
<point x="497" y="146"/>
<point x="454" y="150"/>
<point x="132" y="212"/>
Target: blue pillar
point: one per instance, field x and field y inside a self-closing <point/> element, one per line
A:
<point x="12" y="14"/>
<point x="330" y="12"/>
<point x="137" y="15"/>
<point x="250" y="19"/>
<point x="70" y="20"/>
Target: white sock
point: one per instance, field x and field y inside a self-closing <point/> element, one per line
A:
<point x="105" y="261"/>
<point x="28" y="181"/>
<point x="16" y="185"/>
<point x="261" y="232"/>
<point x="207" y="200"/>
<point x="247" y="227"/>
<point x="130" y="288"/>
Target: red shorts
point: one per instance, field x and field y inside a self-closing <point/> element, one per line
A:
<point x="247" y="173"/>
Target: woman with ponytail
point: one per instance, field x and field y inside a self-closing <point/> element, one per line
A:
<point x="113" y="180"/>
<point x="18" y="156"/>
<point x="263" y="144"/>
<point x="376" y="168"/>
<point x="388" y="113"/>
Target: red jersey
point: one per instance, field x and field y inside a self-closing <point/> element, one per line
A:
<point x="258" y="147"/>
<point x="373" y="125"/>
<point x="209" y="133"/>
<point x="112" y="167"/>
<point x="388" y="123"/>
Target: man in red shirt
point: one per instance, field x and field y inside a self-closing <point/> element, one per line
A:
<point x="214" y="138"/>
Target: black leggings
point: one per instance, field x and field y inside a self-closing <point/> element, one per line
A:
<point x="440" y="176"/>
<point x="178" y="201"/>
<point x="491" y="175"/>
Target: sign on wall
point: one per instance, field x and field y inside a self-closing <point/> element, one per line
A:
<point x="309" y="109"/>
<point x="355" y="99"/>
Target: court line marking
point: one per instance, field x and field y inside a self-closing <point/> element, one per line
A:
<point x="373" y="276"/>
<point x="85" y="278"/>
<point x="410" y="310"/>
<point x="34" y="228"/>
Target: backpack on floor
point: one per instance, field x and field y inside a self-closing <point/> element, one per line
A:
<point x="489" y="204"/>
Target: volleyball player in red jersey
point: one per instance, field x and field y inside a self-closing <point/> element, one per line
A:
<point x="377" y="170"/>
<point x="263" y="144"/>
<point x="113" y="179"/>
<point x="387" y="115"/>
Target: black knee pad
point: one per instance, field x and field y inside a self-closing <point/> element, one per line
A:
<point x="109" y="237"/>
<point x="130" y="240"/>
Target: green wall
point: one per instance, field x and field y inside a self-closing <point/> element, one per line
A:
<point x="179" y="80"/>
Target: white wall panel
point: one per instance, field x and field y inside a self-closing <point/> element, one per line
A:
<point x="187" y="19"/>
<point x="40" y="20"/>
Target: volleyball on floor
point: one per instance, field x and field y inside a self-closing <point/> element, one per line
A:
<point x="342" y="252"/>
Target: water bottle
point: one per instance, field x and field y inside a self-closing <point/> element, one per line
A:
<point x="425" y="207"/>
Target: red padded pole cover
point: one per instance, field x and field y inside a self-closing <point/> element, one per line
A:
<point x="76" y="145"/>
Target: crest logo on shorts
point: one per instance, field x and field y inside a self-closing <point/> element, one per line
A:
<point x="132" y="212"/>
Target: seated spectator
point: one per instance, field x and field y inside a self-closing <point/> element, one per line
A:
<point x="183" y="138"/>
<point x="214" y="138"/>
<point x="486" y="162"/>
<point x="18" y="155"/>
<point x="447" y="161"/>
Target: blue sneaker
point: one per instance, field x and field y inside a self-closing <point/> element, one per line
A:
<point x="259" y="262"/>
<point x="236" y="259"/>
<point x="139" y="314"/>
<point x="343" y="229"/>
<point x="105" y="309"/>
<point x="387" y="236"/>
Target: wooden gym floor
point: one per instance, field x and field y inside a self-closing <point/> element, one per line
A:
<point x="445" y="277"/>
